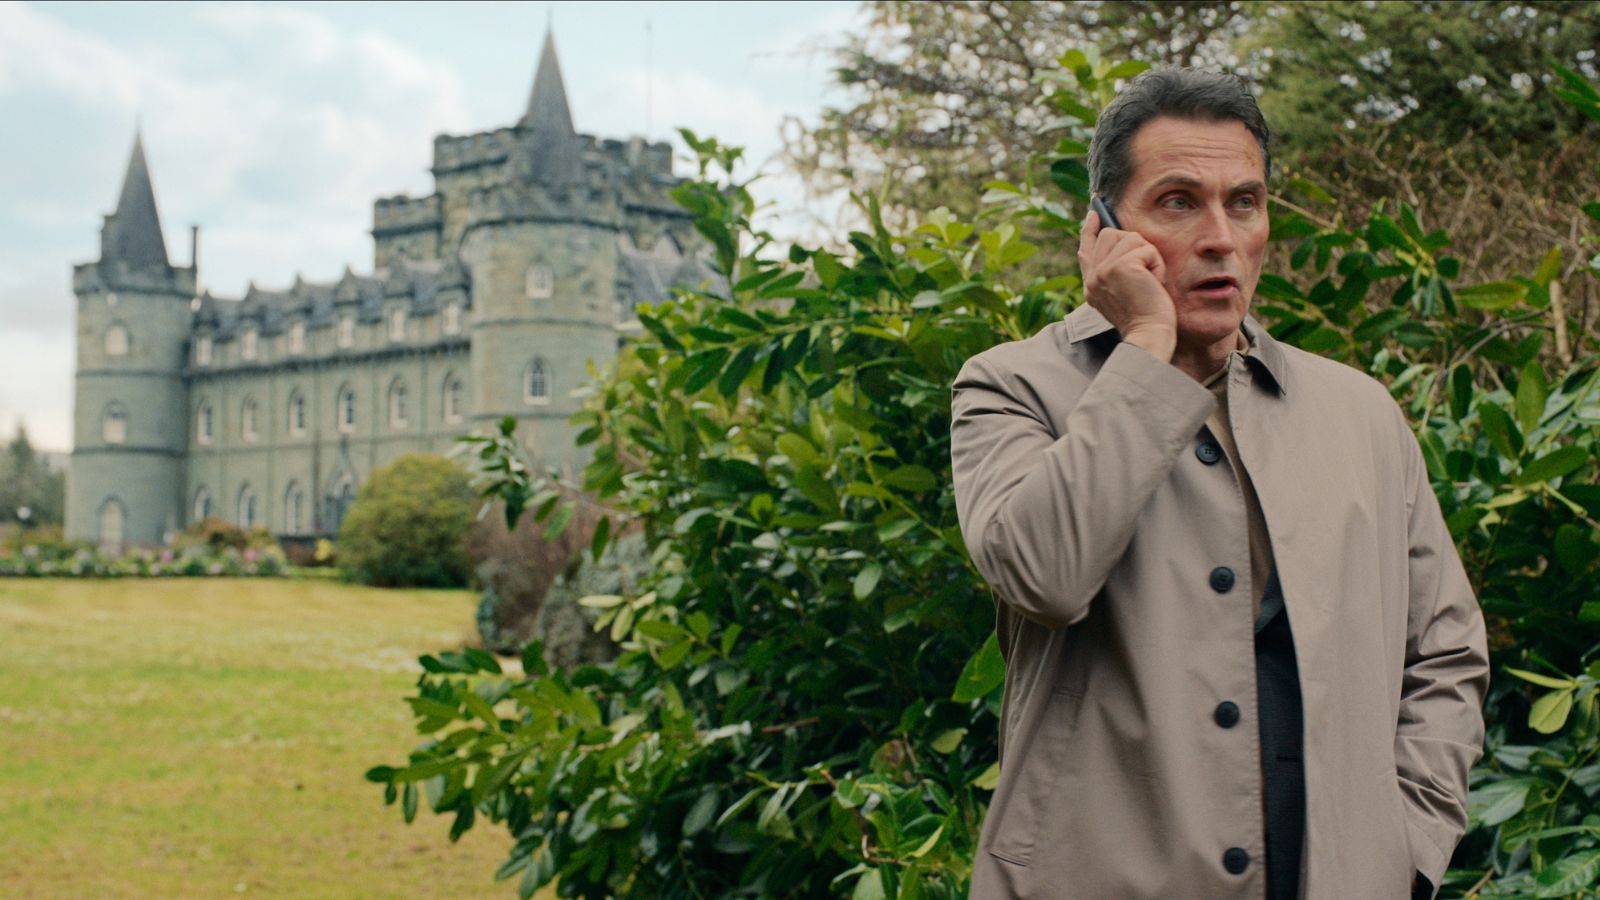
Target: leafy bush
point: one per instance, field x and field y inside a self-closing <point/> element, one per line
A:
<point x="406" y="525"/>
<point x="516" y="566"/>
<point x="786" y="716"/>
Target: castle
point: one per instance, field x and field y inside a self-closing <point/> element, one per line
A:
<point x="488" y="298"/>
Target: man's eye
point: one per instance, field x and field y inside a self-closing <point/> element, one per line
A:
<point x="1246" y="201"/>
<point x="1176" y="201"/>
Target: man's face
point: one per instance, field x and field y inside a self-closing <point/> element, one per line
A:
<point x="1198" y="193"/>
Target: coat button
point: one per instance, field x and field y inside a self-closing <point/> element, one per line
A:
<point x="1222" y="579"/>
<point x="1235" y="860"/>
<point x="1227" y="714"/>
<point x="1209" y="452"/>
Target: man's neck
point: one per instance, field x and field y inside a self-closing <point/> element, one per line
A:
<point x="1200" y="363"/>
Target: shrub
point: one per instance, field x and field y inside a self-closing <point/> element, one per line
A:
<point x="406" y="525"/>
<point x="516" y="567"/>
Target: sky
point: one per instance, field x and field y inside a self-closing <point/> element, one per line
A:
<point x="273" y="126"/>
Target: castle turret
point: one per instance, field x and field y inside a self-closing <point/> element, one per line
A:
<point x="540" y="248"/>
<point x="129" y="421"/>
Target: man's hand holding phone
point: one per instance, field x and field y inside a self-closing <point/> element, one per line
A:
<point x="1124" y="278"/>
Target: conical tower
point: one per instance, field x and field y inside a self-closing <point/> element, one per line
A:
<point x="549" y="151"/>
<point x="129" y="417"/>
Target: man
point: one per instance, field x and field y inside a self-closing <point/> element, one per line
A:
<point x="1242" y="656"/>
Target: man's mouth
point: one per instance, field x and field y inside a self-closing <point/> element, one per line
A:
<point x="1217" y="284"/>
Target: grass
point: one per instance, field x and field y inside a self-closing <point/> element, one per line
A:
<point x="206" y="738"/>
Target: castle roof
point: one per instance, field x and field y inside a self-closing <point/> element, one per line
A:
<point x="132" y="234"/>
<point x="416" y="285"/>
<point x="551" y="152"/>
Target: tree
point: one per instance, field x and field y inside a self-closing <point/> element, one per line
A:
<point x="407" y="524"/>
<point x="26" y="482"/>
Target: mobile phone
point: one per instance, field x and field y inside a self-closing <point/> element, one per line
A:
<point x="1108" y="219"/>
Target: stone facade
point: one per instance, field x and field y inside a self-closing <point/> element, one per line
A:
<point x="488" y="298"/>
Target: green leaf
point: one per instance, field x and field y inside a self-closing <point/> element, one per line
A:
<point x="984" y="672"/>
<point x="867" y="580"/>
<point x="798" y="449"/>
<point x="988" y="778"/>
<point x="1072" y="176"/>
<point x="1555" y="464"/>
<point x="1569" y="875"/>
<point x="1550" y="712"/>
<point x="1498" y="801"/>
<point x="602" y="534"/>
<point x="700" y="815"/>
<point x="1592" y="210"/>
<point x="1500" y="430"/>
<point x="912" y="478"/>
<point x="1460" y="391"/>
<point x="949" y="740"/>
<point x="1542" y="680"/>
<point x="1532" y="392"/>
<point x="1126" y="69"/>
<point x="1492" y="295"/>
<point x="1549" y="268"/>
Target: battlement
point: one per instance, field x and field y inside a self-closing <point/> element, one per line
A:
<point x="115" y="275"/>
<point x="453" y="153"/>
<point x="638" y="155"/>
<point x="403" y="213"/>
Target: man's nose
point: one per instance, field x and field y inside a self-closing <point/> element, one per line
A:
<point x="1216" y="236"/>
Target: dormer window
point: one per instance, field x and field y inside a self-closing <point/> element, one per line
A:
<point x="535" y="383"/>
<point x="347" y="331"/>
<point x="452" y="318"/>
<point x="397" y="325"/>
<point x="541" y="285"/>
<point x="297" y="337"/>
<point x="297" y="414"/>
<point x="347" y="411"/>
<point x="247" y="344"/>
<point x="202" y="351"/>
<point x="203" y="423"/>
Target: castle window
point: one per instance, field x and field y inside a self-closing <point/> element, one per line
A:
<point x="202" y="424"/>
<point x="452" y="398"/>
<point x="202" y="506"/>
<point x="117" y="340"/>
<point x="541" y="285"/>
<point x="452" y="318"/>
<point x="347" y="410"/>
<point x="397" y="325"/>
<point x="536" y="383"/>
<point x="202" y="351"/>
<point x="297" y="414"/>
<point x="247" y="344"/>
<point x="347" y="331"/>
<point x="297" y="337"/>
<point x="114" y="425"/>
<point x="247" y="507"/>
<point x="247" y="420"/>
<point x="397" y="405"/>
<point x="293" y="503"/>
<point x="112" y="519"/>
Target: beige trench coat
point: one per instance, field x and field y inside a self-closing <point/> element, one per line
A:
<point x="1084" y="505"/>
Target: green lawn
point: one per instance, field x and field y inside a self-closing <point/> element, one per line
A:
<point x="206" y="738"/>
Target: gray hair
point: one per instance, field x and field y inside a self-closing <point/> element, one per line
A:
<point x="1179" y="93"/>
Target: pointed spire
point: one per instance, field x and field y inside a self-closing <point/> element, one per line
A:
<point x="132" y="234"/>
<point x="550" y="152"/>
<point x="547" y="105"/>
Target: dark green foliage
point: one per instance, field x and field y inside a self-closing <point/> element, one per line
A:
<point x="805" y="702"/>
<point x="406" y="525"/>
<point x="27" y="483"/>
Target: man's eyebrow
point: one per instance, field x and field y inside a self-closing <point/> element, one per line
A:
<point x="1185" y="181"/>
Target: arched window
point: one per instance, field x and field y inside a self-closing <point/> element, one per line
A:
<point x="536" y="383"/>
<point x="203" y="423"/>
<point x="297" y="414"/>
<point x="113" y="516"/>
<point x="340" y="496"/>
<point x="541" y="285"/>
<point x="398" y="411"/>
<point x="297" y="337"/>
<point x="247" y="344"/>
<point x="202" y="351"/>
<point x="293" y="505"/>
<point x="347" y="331"/>
<point x="117" y="339"/>
<point x="247" y="507"/>
<point x="452" y="318"/>
<point x="453" y="391"/>
<point x="346" y="412"/>
<point x="114" y="424"/>
<point x="247" y="420"/>
<point x="397" y="325"/>
<point x="202" y="506"/>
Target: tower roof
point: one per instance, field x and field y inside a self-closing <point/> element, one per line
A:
<point x="549" y="151"/>
<point x="547" y="105"/>
<point x="132" y="234"/>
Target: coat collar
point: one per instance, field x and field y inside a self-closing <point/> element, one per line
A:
<point x="1086" y="322"/>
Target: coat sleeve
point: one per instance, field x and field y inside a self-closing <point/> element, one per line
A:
<point x="1439" y="734"/>
<point x="1045" y="515"/>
